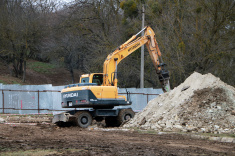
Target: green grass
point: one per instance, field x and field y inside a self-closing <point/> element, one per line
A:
<point x="218" y="135"/>
<point x="1" y="81"/>
<point x="38" y="152"/>
<point x="14" y="82"/>
<point x="41" y="67"/>
<point x="144" y="131"/>
<point x="41" y="152"/>
<point x="183" y="133"/>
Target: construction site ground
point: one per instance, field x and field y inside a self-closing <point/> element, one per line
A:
<point x="35" y="135"/>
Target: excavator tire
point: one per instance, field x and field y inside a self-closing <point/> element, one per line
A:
<point x="83" y="119"/>
<point x="125" y="115"/>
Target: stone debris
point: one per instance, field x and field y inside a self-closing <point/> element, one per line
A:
<point x="203" y="103"/>
<point x="2" y="120"/>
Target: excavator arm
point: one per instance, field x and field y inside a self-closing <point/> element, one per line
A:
<point x="130" y="46"/>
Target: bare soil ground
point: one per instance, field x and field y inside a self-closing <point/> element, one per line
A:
<point x="43" y="138"/>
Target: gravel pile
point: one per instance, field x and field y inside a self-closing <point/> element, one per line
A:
<point x="203" y="103"/>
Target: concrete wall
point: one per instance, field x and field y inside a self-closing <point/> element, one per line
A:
<point x="34" y="99"/>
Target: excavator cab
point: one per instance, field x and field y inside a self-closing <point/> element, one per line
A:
<point x="92" y="78"/>
<point x="98" y="79"/>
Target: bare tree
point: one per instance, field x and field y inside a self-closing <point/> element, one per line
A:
<point x="21" y="31"/>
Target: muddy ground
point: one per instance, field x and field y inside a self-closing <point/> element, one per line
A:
<point x="42" y="138"/>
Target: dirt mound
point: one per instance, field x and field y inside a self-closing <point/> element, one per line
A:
<point x="203" y="103"/>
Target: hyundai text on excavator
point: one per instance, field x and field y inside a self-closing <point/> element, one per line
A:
<point x="96" y="94"/>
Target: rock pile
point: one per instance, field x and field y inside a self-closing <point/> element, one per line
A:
<point x="2" y="120"/>
<point x="203" y="103"/>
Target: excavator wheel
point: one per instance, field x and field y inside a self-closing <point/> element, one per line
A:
<point x="125" y="115"/>
<point x="83" y="119"/>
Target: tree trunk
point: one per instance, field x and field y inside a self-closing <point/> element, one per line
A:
<point x="21" y="61"/>
<point x="71" y="72"/>
<point x="15" y="68"/>
<point x="24" y="71"/>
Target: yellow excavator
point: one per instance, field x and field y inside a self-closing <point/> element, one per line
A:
<point x="96" y="94"/>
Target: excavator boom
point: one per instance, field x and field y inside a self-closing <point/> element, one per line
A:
<point x="130" y="46"/>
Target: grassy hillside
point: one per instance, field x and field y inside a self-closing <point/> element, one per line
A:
<point x="39" y="73"/>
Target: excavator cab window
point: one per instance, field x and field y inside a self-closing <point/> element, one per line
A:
<point x="98" y="78"/>
<point x="85" y="80"/>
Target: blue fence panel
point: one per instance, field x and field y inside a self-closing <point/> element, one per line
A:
<point x="34" y="99"/>
<point x="1" y="98"/>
